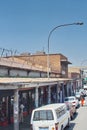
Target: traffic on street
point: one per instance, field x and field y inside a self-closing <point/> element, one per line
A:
<point x="80" y="120"/>
<point x="76" y="120"/>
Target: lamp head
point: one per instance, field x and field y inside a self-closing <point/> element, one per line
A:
<point x="79" y="23"/>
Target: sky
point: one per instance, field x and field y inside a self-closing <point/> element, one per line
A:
<point x="25" y="26"/>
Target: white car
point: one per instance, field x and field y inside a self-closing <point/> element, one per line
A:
<point x="78" y="95"/>
<point x="73" y="100"/>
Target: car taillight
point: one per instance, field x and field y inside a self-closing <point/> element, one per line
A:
<point x="53" y="128"/>
<point x="56" y="126"/>
<point x="31" y="127"/>
<point x="74" y="102"/>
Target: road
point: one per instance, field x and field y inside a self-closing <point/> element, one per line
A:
<point x="80" y="120"/>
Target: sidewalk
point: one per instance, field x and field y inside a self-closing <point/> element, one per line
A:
<point x="22" y="126"/>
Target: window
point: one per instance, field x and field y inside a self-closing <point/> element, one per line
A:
<point x="43" y="115"/>
<point x="60" y="112"/>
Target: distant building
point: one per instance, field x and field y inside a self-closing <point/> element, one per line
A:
<point x="75" y="74"/>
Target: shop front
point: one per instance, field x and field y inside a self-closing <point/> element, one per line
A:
<point x="6" y="106"/>
<point x="31" y="93"/>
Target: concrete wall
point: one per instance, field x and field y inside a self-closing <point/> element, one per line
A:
<point x="18" y="73"/>
<point x="34" y="74"/>
<point x="3" y="71"/>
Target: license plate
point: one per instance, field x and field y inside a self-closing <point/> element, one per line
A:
<point x="43" y="128"/>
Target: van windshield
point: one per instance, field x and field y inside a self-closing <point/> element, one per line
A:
<point x="43" y="115"/>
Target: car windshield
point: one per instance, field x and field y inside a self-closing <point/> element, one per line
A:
<point x="69" y="99"/>
<point x="43" y="115"/>
<point x="77" y="93"/>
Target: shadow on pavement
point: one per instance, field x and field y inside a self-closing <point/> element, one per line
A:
<point x="75" y="115"/>
<point x="71" y="126"/>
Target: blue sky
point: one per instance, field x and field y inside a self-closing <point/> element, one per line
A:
<point x="25" y="26"/>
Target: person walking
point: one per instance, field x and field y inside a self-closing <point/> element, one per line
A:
<point x="82" y="100"/>
<point x="21" y="112"/>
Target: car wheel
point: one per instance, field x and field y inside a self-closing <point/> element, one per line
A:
<point x="68" y="122"/>
<point x="62" y="127"/>
<point x="72" y="117"/>
<point x="75" y="112"/>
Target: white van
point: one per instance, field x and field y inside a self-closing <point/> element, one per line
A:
<point x="50" y="117"/>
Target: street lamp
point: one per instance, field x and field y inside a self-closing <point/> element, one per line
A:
<point x="63" y="25"/>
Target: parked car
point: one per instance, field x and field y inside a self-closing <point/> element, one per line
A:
<point x="73" y="100"/>
<point x="72" y="110"/>
<point x="78" y="95"/>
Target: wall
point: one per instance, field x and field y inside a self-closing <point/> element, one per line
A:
<point x="15" y="72"/>
<point x="3" y="71"/>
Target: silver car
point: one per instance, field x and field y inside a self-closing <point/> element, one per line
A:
<point x="73" y="100"/>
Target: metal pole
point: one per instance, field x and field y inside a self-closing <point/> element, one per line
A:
<point x="63" y="25"/>
<point x="16" y="110"/>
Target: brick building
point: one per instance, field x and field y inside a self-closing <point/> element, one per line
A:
<point x="74" y="72"/>
<point x="18" y="82"/>
<point x="58" y="63"/>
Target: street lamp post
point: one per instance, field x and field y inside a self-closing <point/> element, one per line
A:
<point x="63" y="25"/>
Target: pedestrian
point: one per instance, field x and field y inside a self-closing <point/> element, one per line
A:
<point x="21" y="112"/>
<point x="82" y="100"/>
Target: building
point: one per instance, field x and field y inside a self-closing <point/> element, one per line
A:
<point x="25" y="77"/>
<point x="58" y="63"/>
<point x="75" y="74"/>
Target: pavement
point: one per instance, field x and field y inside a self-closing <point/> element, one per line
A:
<point x="25" y="125"/>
